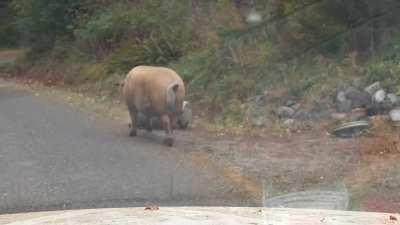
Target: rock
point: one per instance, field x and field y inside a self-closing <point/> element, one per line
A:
<point x="285" y="112"/>
<point x="259" y="100"/>
<point x="302" y="115"/>
<point x="288" y="122"/>
<point x="350" y="89"/>
<point x="357" y="82"/>
<point x="393" y="98"/>
<point x="295" y="107"/>
<point x="320" y="110"/>
<point x="290" y="103"/>
<point x="358" y="98"/>
<point x="371" y="89"/>
<point x="341" y="96"/>
<point x="344" y="107"/>
<point x="395" y="114"/>
<point x="387" y="105"/>
<point x="375" y="109"/>
<point x="379" y="96"/>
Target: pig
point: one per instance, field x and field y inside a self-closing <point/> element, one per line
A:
<point x="154" y="92"/>
<point x="183" y="120"/>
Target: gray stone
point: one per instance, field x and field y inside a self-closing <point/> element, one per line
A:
<point x="344" y="107"/>
<point x="290" y="103"/>
<point x="285" y="112"/>
<point x="395" y="114"/>
<point x="288" y="122"/>
<point x="295" y="106"/>
<point x="357" y="82"/>
<point x="393" y="98"/>
<point x="258" y="100"/>
<point x="350" y="90"/>
<point x="302" y="115"/>
<point x="341" y="96"/>
<point x="358" y="98"/>
<point x="371" y="89"/>
<point x="375" y="109"/>
<point x="379" y="96"/>
<point x="320" y="110"/>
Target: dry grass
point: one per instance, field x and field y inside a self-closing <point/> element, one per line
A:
<point x="385" y="139"/>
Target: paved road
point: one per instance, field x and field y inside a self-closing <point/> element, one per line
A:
<point x="53" y="157"/>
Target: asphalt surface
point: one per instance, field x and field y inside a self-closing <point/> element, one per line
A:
<point x="53" y="157"/>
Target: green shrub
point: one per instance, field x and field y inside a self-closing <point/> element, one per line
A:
<point x="9" y="36"/>
<point x="197" y="70"/>
<point x="388" y="72"/>
<point x="159" y="49"/>
<point x="42" y="22"/>
<point x="103" y="31"/>
<point x="129" y="36"/>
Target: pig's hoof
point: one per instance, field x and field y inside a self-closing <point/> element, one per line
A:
<point x="132" y="133"/>
<point x="169" y="141"/>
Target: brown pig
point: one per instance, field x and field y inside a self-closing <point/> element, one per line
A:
<point x="154" y="92"/>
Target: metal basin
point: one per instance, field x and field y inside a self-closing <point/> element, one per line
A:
<point x="350" y="129"/>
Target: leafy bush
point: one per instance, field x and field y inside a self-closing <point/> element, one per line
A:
<point x="197" y="70"/>
<point x="103" y="31"/>
<point x="127" y="37"/>
<point x="42" y="22"/>
<point x="386" y="71"/>
<point x="9" y="36"/>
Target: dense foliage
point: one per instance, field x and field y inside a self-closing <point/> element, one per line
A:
<point x="8" y="31"/>
<point x="222" y="55"/>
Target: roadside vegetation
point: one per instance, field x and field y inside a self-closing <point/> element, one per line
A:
<point x="226" y="50"/>
<point x="258" y="68"/>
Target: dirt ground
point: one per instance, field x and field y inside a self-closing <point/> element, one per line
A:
<point x="9" y="55"/>
<point x="269" y="165"/>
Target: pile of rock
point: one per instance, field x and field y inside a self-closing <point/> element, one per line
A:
<point x="349" y="104"/>
<point x="356" y="103"/>
<point x="257" y="114"/>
